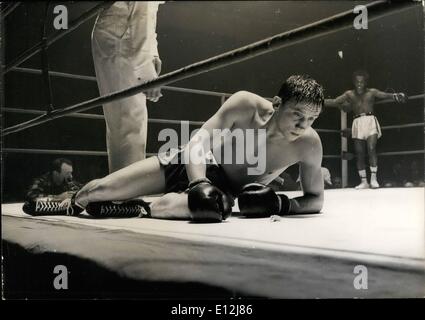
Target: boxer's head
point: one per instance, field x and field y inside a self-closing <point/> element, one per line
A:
<point x="360" y="79"/>
<point x="299" y="101"/>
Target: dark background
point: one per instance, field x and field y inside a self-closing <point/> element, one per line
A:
<point x="391" y="50"/>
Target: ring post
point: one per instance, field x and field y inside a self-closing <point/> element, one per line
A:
<point x="344" y="148"/>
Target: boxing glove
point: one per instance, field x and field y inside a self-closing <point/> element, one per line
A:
<point x="259" y="200"/>
<point x="400" y="97"/>
<point x="207" y="202"/>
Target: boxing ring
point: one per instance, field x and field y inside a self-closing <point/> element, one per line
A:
<point x="304" y="256"/>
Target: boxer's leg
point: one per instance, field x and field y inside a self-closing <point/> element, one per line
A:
<point x="359" y="146"/>
<point x="144" y="177"/>
<point x="373" y="160"/>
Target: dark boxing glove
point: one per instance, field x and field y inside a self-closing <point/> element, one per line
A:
<point x="259" y="200"/>
<point x="400" y="97"/>
<point x="207" y="202"/>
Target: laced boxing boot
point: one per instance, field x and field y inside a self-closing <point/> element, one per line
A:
<point x="122" y="209"/>
<point x="46" y="206"/>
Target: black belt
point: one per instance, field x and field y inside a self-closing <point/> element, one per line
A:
<point x="363" y="115"/>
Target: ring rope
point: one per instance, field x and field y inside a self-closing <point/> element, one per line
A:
<point x="418" y="96"/>
<point x="196" y="123"/>
<point x="92" y="78"/>
<point x="54" y="151"/>
<point x="149" y="154"/>
<point x="177" y="89"/>
<point x="402" y="126"/>
<point x="396" y="153"/>
<point x="314" y="30"/>
<point x="56" y="36"/>
<point x="88" y="152"/>
<point x="101" y="117"/>
<point x="9" y="9"/>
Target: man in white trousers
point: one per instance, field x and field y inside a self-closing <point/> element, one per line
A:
<point x="125" y="53"/>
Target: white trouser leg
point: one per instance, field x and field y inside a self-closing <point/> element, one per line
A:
<point x="116" y="69"/>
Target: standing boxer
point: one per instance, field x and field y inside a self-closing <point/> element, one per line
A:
<point x="365" y="128"/>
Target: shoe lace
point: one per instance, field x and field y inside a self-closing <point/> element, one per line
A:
<point x="122" y="210"/>
<point x="44" y="206"/>
<point x="69" y="208"/>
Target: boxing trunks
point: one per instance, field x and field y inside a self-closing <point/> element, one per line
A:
<point x="176" y="176"/>
<point x="365" y="125"/>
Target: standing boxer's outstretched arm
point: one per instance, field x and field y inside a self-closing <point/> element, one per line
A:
<point x="398" y="97"/>
<point x="339" y="101"/>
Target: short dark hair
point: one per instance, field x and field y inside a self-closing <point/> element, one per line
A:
<point x="57" y="164"/>
<point x="302" y="88"/>
<point x="361" y="73"/>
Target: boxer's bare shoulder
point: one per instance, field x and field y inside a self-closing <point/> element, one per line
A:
<point x="246" y="104"/>
<point x="309" y="145"/>
<point x="349" y="94"/>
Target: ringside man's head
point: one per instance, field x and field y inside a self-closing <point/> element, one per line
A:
<point x="62" y="170"/>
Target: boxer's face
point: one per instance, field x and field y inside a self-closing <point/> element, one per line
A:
<point x="296" y="117"/>
<point x="359" y="84"/>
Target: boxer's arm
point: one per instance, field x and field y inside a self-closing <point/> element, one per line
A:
<point x="311" y="180"/>
<point x="338" y="102"/>
<point x="381" y="94"/>
<point x="239" y="107"/>
<point x="398" y="97"/>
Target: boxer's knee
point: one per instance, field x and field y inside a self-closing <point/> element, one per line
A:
<point x="92" y="191"/>
<point x="371" y="150"/>
<point x="360" y="157"/>
<point x="99" y="187"/>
